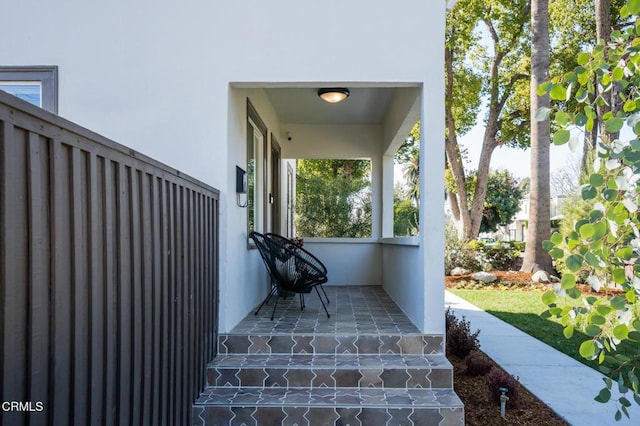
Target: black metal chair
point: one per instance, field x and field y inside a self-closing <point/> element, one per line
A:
<point x="291" y="268"/>
<point x="301" y="252"/>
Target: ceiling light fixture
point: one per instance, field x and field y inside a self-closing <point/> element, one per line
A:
<point x="333" y="95"/>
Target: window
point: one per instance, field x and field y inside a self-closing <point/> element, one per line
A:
<point x="256" y="154"/>
<point x="37" y="85"/>
<point x="333" y="198"/>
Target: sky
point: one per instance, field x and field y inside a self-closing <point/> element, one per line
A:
<point x="516" y="161"/>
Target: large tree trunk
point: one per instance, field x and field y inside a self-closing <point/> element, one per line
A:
<point x="603" y="35"/>
<point x="452" y="150"/>
<point x="535" y="257"/>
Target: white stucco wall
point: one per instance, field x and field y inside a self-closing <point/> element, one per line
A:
<point x="403" y="276"/>
<point x="349" y="261"/>
<point x="157" y="76"/>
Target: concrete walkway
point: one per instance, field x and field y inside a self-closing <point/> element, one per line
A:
<point x="561" y="382"/>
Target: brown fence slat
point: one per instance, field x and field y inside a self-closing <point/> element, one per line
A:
<point x="97" y="316"/>
<point x="39" y="275"/>
<point x="108" y="277"/>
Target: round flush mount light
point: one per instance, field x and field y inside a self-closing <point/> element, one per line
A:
<point x="334" y="95"/>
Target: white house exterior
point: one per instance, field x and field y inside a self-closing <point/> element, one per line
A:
<point x="172" y="80"/>
<point x="518" y="227"/>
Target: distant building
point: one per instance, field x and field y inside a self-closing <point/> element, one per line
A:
<point x="517" y="229"/>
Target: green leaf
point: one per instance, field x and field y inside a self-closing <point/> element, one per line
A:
<point x="574" y="262"/>
<point x="587" y="349"/>
<point x="592" y="330"/>
<point x="568" y="281"/>
<point x="568" y="332"/>
<point x="609" y="194"/>
<point x="618" y="276"/>
<point x="624" y="402"/>
<point x="614" y="124"/>
<point x="556" y="253"/>
<point x="634" y="335"/>
<point x="547" y="245"/>
<point x="633" y="6"/>
<point x="618" y="74"/>
<point x="589" y="125"/>
<point x="549" y="297"/>
<point x="587" y="230"/>
<point x="618" y="303"/>
<point x="596" y="179"/>
<point x="598" y="320"/>
<point x="583" y="58"/>
<point x="604" y="309"/>
<point x="561" y="137"/>
<point x="574" y="293"/>
<point x="580" y="119"/>
<point x="543" y="113"/>
<point x="625" y="253"/>
<point x="558" y="92"/>
<point x="589" y="192"/>
<point x="562" y="118"/>
<point x="592" y="259"/>
<point x="600" y="229"/>
<point x="543" y="89"/>
<point x="556" y="238"/>
<point x="631" y="296"/>
<point x="621" y="332"/>
<point x="603" y="396"/>
<point x="629" y="106"/>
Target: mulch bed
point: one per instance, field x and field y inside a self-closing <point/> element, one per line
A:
<point x="480" y="410"/>
<point x="516" y="280"/>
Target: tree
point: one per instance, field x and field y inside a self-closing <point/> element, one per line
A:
<point x="502" y="201"/>
<point x="604" y="245"/>
<point x="333" y="198"/>
<point x="539" y="229"/>
<point x="496" y="76"/>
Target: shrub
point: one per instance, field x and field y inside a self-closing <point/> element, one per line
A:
<point x="477" y="363"/>
<point x="501" y="255"/>
<point x="460" y="341"/>
<point x="450" y="319"/>
<point x="456" y="254"/>
<point x="496" y="379"/>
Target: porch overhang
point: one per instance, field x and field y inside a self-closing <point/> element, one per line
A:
<point x="372" y="123"/>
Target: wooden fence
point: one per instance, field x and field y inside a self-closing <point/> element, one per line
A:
<point x="108" y="278"/>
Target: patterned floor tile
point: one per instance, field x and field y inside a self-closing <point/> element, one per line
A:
<point x="243" y="416"/>
<point x="295" y="416"/>
<point x="365" y="365"/>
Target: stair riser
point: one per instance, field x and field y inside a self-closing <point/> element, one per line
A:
<point x="354" y="416"/>
<point x="331" y="378"/>
<point x="331" y="344"/>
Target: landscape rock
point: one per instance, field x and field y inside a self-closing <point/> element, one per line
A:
<point x="459" y="271"/>
<point x="540" y="277"/>
<point x="485" y="277"/>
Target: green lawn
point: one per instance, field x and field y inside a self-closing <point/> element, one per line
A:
<point x="522" y="310"/>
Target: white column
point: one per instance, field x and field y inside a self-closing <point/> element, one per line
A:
<point x="432" y="157"/>
<point x="387" y="196"/>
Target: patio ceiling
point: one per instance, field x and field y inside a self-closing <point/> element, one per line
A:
<point x="301" y="105"/>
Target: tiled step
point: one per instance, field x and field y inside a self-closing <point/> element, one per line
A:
<point x="345" y="406"/>
<point x="287" y="343"/>
<point x="330" y="371"/>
